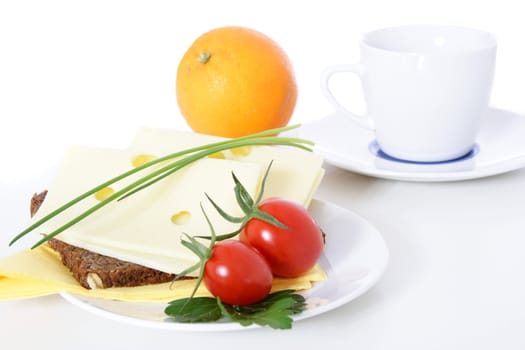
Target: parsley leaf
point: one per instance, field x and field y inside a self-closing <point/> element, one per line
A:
<point x="191" y="310"/>
<point x="274" y="311"/>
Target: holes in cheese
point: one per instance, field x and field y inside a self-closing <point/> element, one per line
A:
<point x="181" y="218"/>
<point x="217" y="155"/>
<point x="241" y="151"/>
<point x="103" y="193"/>
<point x="232" y="153"/>
<point x="142" y="159"/>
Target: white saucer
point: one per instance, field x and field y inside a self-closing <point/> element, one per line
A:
<point x="500" y="148"/>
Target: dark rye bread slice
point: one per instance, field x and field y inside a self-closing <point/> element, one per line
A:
<point x="94" y="270"/>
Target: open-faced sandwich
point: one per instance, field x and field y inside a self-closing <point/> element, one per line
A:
<point x="130" y="247"/>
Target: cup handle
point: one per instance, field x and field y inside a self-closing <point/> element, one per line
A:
<point x="363" y="120"/>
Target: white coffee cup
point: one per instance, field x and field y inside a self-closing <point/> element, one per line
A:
<point x="426" y="89"/>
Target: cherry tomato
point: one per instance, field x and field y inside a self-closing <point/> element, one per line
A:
<point x="237" y="274"/>
<point x="290" y="252"/>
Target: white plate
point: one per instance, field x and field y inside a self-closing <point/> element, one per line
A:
<point x="354" y="259"/>
<point x="500" y="148"/>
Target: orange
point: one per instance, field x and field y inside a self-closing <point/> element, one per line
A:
<point x="235" y="81"/>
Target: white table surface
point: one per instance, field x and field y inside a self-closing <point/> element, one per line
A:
<point x="92" y="72"/>
<point x="454" y="280"/>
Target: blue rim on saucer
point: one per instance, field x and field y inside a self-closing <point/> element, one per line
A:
<point x="374" y="148"/>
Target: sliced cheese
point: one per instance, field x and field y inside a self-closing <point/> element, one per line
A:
<point x="141" y="228"/>
<point x="295" y="174"/>
<point x="147" y="227"/>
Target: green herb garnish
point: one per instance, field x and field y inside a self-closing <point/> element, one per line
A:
<point x="185" y="158"/>
<point x="274" y="311"/>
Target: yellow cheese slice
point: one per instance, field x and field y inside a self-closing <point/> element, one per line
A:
<point x="39" y="272"/>
<point x="294" y="175"/>
<point x="145" y="228"/>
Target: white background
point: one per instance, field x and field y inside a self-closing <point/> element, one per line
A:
<point x="92" y="72"/>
